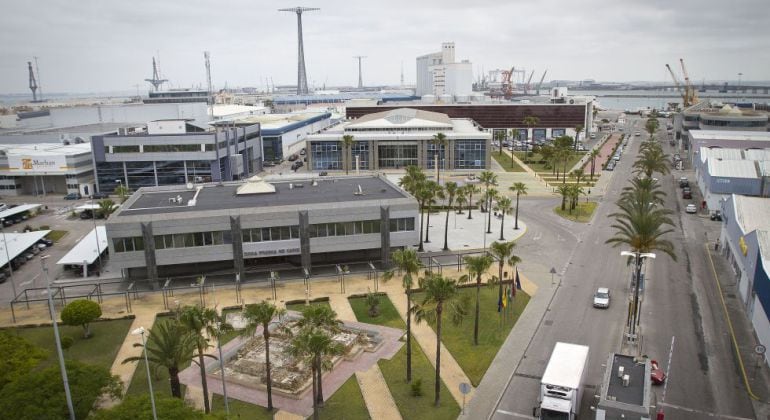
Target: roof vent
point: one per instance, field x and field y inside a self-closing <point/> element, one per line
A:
<point x="621" y="369"/>
<point x="291" y="186"/>
<point x="626" y="380"/>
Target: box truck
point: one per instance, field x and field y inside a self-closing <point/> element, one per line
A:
<point x="562" y="385"/>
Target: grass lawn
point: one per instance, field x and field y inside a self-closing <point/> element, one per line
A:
<point x="55" y="235"/>
<point x="535" y="158"/>
<point x="507" y="163"/>
<point x="458" y="339"/>
<point x="239" y="409"/>
<point x="346" y="403"/>
<point x="300" y="306"/>
<point x="394" y="370"/>
<point x="100" y="349"/>
<point x="160" y="384"/>
<point x="582" y="213"/>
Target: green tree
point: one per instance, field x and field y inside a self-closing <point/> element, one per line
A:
<point x="195" y="320"/>
<point x="122" y="192"/>
<point x="81" y="312"/>
<point x="547" y="153"/>
<point x="503" y="252"/>
<point x="407" y="262"/>
<point x="488" y="178"/>
<point x="462" y="199"/>
<point x="321" y="318"/>
<point x="504" y="207"/>
<point x="471" y="189"/>
<point x="260" y="315"/>
<point x="564" y="191"/>
<point x="440" y="294"/>
<point x="139" y="407"/>
<point x="520" y="189"/>
<point x="578" y="129"/>
<point x="412" y="179"/>
<point x="651" y="126"/>
<point x="530" y="122"/>
<point x="19" y="357"/>
<point x="652" y="160"/>
<point x="499" y="136"/>
<point x="346" y="144"/>
<point x="423" y="195"/>
<point x="106" y="208"/>
<point x="515" y="135"/>
<point x="313" y="345"/>
<point x="595" y="153"/>
<point x="169" y="346"/>
<point x="477" y="267"/>
<point x="578" y="174"/>
<point x="435" y="192"/>
<point x="87" y="383"/>
<point x="440" y="141"/>
<point x="373" y="303"/>
<point x="451" y="190"/>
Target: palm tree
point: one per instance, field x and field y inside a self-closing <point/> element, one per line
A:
<point x="440" y="294"/>
<point x="323" y="318"/>
<point x="490" y="196"/>
<point x="578" y="174"/>
<point x="499" y="135"/>
<point x="547" y="152"/>
<point x="195" y="320"/>
<point x="346" y="144"/>
<point x="643" y="190"/>
<point x="520" y="189"/>
<point x="412" y="180"/>
<point x="256" y="315"/>
<point x="440" y="141"/>
<point x="651" y="126"/>
<point x="477" y="266"/>
<point x="488" y="178"/>
<point x="106" y="208"/>
<point x="593" y="155"/>
<point x="515" y="135"/>
<point x="578" y="129"/>
<point x="530" y="122"/>
<point x="122" y="192"/>
<point x="169" y="346"/>
<point x="313" y="344"/>
<point x="451" y="189"/>
<point x="461" y="199"/>
<point x="503" y="206"/>
<point x="407" y="262"/>
<point x="436" y="193"/>
<point x="653" y="160"/>
<point x="503" y="252"/>
<point x="564" y="191"/>
<point x="575" y="190"/>
<point x="470" y="189"/>
<point x="423" y="195"/>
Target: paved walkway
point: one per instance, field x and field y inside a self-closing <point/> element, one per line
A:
<point x="377" y="395"/>
<point x="127" y="349"/>
<point x="341" y="305"/>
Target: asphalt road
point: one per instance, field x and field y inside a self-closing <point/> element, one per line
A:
<point x="679" y="302"/>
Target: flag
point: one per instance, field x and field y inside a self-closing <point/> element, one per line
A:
<point x="518" y="281"/>
<point x="500" y="303"/>
<point x="505" y="298"/>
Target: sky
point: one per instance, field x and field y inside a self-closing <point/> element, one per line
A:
<point x="108" y="45"/>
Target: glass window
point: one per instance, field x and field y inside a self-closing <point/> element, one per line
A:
<point x="275" y="233"/>
<point x="339" y="229"/>
<point x="285" y="233"/>
<point x="217" y="238"/>
<point x="125" y="149"/>
<point x="265" y="234"/>
<point x="138" y="243"/>
<point x="470" y="154"/>
<point x="159" y="244"/>
<point x="120" y="246"/>
<point x="397" y="156"/>
<point x="326" y="155"/>
<point x="295" y="232"/>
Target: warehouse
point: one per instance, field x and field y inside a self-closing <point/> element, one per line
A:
<point x="45" y="168"/>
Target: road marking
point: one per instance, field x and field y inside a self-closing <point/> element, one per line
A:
<point x="537" y="236"/>
<point x="29" y="281"/>
<point x="512" y="414"/>
<point x="703" y="413"/>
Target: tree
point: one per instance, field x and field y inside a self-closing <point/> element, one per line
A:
<point x="139" y="407"/>
<point x="578" y="174"/>
<point x="564" y="191"/>
<point x="499" y="136"/>
<point x="412" y="180"/>
<point x="575" y="191"/>
<point x="169" y="346"/>
<point x="407" y="262"/>
<point x="106" y="208"/>
<point x="471" y="189"/>
<point x="451" y="189"/>
<point x="323" y="318"/>
<point x="195" y="320"/>
<point x="578" y="129"/>
<point x="548" y="152"/>
<point x="593" y="155"/>
<point x="313" y="345"/>
<point x="440" y="142"/>
<point x="503" y="252"/>
<point x="520" y="189"/>
<point x="440" y="293"/>
<point x="81" y="312"/>
<point x="477" y="267"/>
<point x="653" y="160"/>
<point x="504" y="207"/>
<point x="373" y="303"/>
<point x="488" y="178"/>
<point x="651" y="126"/>
<point x="261" y="314"/>
<point x="435" y="191"/>
<point x="461" y="199"/>
<point x="423" y="196"/>
<point x="19" y="357"/>
<point x="122" y="192"/>
<point x="515" y="135"/>
<point x="530" y="122"/>
<point x="87" y="383"/>
<point x="346" y="144"/>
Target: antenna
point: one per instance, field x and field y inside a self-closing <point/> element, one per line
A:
<point x="402" y="73"/>
<point x="156" y="81"/>
<point x="360" y="79"/>
<point x="208" y="80"/>
<point x="32" y="82"/>
<point x="301" y="73"/>
<point x="39" y="83"/>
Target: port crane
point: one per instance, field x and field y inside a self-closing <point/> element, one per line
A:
<point x="539" y="85"/>
<point x="687" y="91"/>
<point x="527" y="85"/>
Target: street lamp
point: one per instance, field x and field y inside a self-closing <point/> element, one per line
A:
<point x="634" y="315"/>
<point x="8" y="257"/>
<point x="58" y="340"/>
<point x="141" y="331"/>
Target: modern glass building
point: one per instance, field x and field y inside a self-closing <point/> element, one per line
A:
<point x="398" y="138"/>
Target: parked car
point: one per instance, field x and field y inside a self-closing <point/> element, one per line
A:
<point x="3" y="277"/>
<point x="610" y="166"/>
<point x="46" y="242"/>
<point x="691" y="208"/>
<point x="99" y="196"/>
<point x="28" y="256"/>
<point x="8" y="222"/>
<point x="684" y="182"/>
<point x="593" y="135"/>
<point x="638" y="133"/>
<point x="323" y="173"/>
<point x="73" y="196"/>
<point x="602" y="298"/>
<point x="716" y="215"/>
<point x="3" y="206"/>
<point x="686" y="193"/>
<point x="302" y="152"/>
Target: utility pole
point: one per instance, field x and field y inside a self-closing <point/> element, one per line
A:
<point x="301" y="73"/>
<point x="32" y="82"/>
<point x="360" y="78"/>
<point x="206" y="56"/>
<point x="39" y="83"/>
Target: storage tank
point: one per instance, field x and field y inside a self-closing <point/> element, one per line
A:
<point x="429" y="99"/>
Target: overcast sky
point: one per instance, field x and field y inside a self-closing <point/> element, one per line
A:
<point x="107" y="45"/>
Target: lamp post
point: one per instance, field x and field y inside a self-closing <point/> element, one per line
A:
<point x="634" y="315"/>
<point x="96" y="234"/>
<point x="8" y="257"/>
<point x="58" y="340"/>
<point x="141" y="331"/>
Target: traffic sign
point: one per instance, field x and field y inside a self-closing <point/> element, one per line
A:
<point x="465" y="388"/>
<point x="760" y="349"/>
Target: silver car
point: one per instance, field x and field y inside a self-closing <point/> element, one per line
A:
<point x="602" y="298"/>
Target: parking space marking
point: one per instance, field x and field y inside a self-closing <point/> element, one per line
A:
<point x="701" y="413"/>
<point x="29" y="281"/>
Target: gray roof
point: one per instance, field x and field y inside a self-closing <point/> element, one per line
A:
<point x="752" y="213"/>
<point x="634" y="392"/>
<point x="732" y="168"/>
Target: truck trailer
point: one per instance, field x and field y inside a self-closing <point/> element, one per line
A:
<point x="561" y="388"/>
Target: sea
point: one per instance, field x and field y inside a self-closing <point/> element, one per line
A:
<point x="635" y="100"/>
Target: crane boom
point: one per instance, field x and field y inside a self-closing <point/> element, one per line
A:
<point x="677" y="84"/>
<point x="529" y="80"/>
<point x="541" y="82"/>
<point x="692" y="96"/>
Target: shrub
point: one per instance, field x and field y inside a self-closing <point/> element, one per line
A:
<point x="67" y="342"/>
<point x="373" y="302"/>
<point x="81" y="312"/>
<point x="417" y="388"/>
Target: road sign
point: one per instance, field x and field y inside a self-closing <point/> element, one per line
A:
<point x="465" y="388"/>
<point x="760" y="349"/>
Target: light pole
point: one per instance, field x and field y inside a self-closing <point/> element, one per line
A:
<point x="8" y="257"/>
<point x="58" y="340"/>
<point x="141" y="331"/>
<point x="634" y="315"/>
<point x="96" y="234"/>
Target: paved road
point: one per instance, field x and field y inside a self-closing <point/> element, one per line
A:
<point x="678" y="303"/>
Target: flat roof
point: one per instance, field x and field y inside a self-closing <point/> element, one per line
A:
<point x="732" y="168"/>
<point x="157" y="200"/>
<point x="565" y="367"/>
<point x="18" y="209"/>
<point x="46" y="149"/>
<point x="18" y="243"/>
<point x="634" y="392"/>
<point x="87" y="249"/>
<point x="729" y="135"/>
<point x="751" y="213"/>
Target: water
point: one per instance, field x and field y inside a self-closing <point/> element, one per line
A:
<point x="641" y="99"/>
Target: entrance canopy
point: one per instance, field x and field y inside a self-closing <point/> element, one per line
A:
<point x="18" y="243"/>
<point x="87" y="250"/>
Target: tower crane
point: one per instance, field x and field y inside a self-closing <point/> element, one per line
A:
<point x="687" y="91"/>
<point x="541" y="82"/>
<point x="526" y="86"/>
<point x="688" y="88"/>
<point x="678" y="86"/>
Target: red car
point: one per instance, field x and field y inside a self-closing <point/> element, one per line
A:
<point x="657" y="375"/>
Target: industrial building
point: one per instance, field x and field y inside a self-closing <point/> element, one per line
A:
<point x="745" y="240"/>
<point x="251" y="226"/>
<point x="398" y="138"/>
<point x="721" y="172"/>
<point x="45" y="168"/>
<point x="709" y="116"/>
<point x="176" y="152"/>
<point x="285" y="134"/>
<point x="439" y="74"/>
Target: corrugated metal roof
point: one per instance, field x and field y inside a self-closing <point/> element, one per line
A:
<point x="729" y="135"/>
<point x="731" y="168"/>
<point x="763" y="238"/>
<point x="720" y="153"/>
<point x="757" y="154"/>
<point x="752" y="213"/>
<point x="402" y="117"/>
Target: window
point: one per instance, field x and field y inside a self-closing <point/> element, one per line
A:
<point x="125" y="149"/>
<point x="470" y="154"/>
<point x="363" y="227"/>
<point x="132" y="244"/>
<point x="402" y="224"/>
<point x="275" y="233"/>
<point x="187" y="240"/>
<point x="397" y="156"/>
<point x="326" y="155"/>
<point x="171" y="148"/>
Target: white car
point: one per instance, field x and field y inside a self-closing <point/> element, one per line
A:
<point x="602" y="298"/>
<point x="638" y="133"/>
<point x="691" y="209"/>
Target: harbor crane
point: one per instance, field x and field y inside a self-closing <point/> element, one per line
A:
<point x="687" y="90"/>
<point x="527" y="85"/>
<point x="32" y="82"/>
<point x="539" y="85"/>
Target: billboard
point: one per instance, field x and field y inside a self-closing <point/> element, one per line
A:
<point x="30" y="164"/>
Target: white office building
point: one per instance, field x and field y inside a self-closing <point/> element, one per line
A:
<point x="439" y="74"/>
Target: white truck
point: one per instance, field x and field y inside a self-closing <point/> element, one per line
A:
<point x="562" y="385"/>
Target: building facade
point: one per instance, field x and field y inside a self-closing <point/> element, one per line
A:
<point x="721" y="172"/>
<point x="285" y="134"/>
<point x="439" y="74"/>
<point x="724" y="118"/>
<point x="46" y="168"/>
<point x="399" y="138"/>
<point x="256" y="226"/>
<point x="176" y="152"/>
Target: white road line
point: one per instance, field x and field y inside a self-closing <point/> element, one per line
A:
<point x="702" y="413"/>
<point x="512" y="414"/>
<point x="29" y="281"/>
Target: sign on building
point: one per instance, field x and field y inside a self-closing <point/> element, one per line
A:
<point x="30" y="164"/>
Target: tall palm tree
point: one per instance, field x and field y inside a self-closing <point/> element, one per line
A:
<point x="477" y="267"/>
<point x="347" y="144"/>
<point x="488" y="178"/>
<point x="575" y="190"/>
<point x="515" y="135"/>
<point x="578" y="129"/>
<point x="489" y="197"/>
<point x="593" y="155"/>
<point x="440" y="141"/>
<point x="195" y="319"/>
<point x="651" y="126"/>
<point x="504" y="207"/>
<point x="520" y="189"/>
<point x="564" y="191"/>
<point x="461" y="198"/>
<point x="530" y="122"/>
<point x="451" y="189"/>
<point x="440" y="294"/>
<point x="578" y="174"/>
<point x="412" y="180"/>
<point x="503" y="252"/>
<point x="313" y="345"/>
<point x="423" y="195"/>
<point x="499" y="135"/>
<point x="217" y="327"/>
<point x="471" y="189"/>
<point x="256" y="315"/>
<point x="435" y="192"/>
<point x="653" y="160"/>
<point x="643" y="190"/>
<point x="407" y="262"/>
<point x="169" y="346"/>
<point x="323" y="318"/>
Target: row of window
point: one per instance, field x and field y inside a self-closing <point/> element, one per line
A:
<point x="193" y="239"/>
<point x="364" y="227"/>
<point x="274" y="233"/>
<point x="134" y="243"/>
<point x="167" y="148"/>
